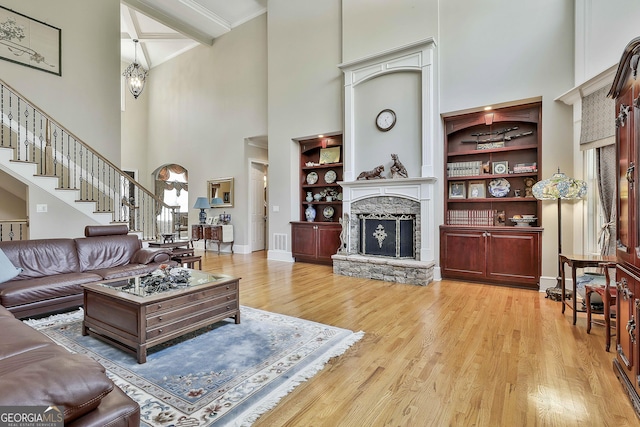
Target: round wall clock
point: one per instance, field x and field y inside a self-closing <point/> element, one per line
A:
<point x="385" y="120"/>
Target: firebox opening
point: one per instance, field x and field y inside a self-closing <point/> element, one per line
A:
<point x="387" y="235"/>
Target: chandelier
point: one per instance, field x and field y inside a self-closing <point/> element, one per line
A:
<point x="135" y="74"/>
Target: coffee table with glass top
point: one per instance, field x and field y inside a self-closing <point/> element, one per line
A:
<point x="134" y="317"/>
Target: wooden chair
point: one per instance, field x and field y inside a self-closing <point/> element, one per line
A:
<point x="608" y="295"/>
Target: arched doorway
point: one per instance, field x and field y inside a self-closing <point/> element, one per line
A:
<point x="172" y="187"/>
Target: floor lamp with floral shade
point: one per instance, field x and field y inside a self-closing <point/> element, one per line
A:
<point x="559" y="187"/>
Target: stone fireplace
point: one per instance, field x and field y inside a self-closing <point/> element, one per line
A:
<point x="405" y="202"/>
<point x="401" y="209"/>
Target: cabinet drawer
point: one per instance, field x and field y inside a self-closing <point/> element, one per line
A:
<point x="191" y="298"/>
<point x="213" y="313"/>
<point x="165" y="317"/>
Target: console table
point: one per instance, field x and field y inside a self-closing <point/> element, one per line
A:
<point x="575" y="262"/>
<point x="209" y="232"/>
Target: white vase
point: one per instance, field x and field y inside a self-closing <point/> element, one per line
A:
<point x="309" y="196"/>
<point x="310" y="213"/>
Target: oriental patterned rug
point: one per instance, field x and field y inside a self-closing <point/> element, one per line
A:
<point x="225" y="374"/>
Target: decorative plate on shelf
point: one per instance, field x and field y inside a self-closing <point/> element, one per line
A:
<point x="330" y="176"/>
<point x="328" y="212"/>
<point x="312" y="178"/>
<point x="499" y="187"/>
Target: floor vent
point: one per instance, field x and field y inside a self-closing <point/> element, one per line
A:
<point x="279" y="242"/>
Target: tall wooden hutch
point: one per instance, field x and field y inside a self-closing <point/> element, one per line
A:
<point x="492" y="221"/>
<point x="626" y="92"/>
<point x="316" y="236"/>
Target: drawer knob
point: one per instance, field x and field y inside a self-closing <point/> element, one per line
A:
<point x="159" y="305"/>
<point x="160" y="318"/>
<point x="228" y="287"/>
<point x="160" y="331"/>
<point x="228" y="297"/>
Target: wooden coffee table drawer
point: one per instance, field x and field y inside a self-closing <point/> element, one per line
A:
<point x="164" y="317"/>
<point x="166" y="328"/>
<point x="192" y="297"/>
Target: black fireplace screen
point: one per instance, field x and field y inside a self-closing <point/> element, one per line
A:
<point x="387" y="235"/>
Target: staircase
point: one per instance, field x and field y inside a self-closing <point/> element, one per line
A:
<point x="43" y="153"/>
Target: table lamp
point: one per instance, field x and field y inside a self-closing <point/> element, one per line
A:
<point x="559" y="187"/>
<point x="202" y="203"/>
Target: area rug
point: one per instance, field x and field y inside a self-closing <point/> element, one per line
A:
<point x="223" y="375"/>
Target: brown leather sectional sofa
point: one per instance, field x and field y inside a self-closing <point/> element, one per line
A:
<point x="54" y="270"/>
<point x="33" y="369"/>
<point x="36" y="371"/>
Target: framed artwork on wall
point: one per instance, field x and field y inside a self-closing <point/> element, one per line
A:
<point x="27" y="41"/>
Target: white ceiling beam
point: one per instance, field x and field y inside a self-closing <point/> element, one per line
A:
<point x="207" y="14"/>
<point x="170" y="21"/>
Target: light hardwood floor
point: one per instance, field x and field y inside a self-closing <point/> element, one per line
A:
<point x="448" y="354"/>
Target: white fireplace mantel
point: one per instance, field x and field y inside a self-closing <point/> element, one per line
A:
<point x="421" y="190"/>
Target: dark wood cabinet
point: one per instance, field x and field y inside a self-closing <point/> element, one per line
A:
<point x="313" y="242"/>
<point x="209" y="232"/>
<point x="316" y="236"/>
<point x="626" y="92"/>
<point x="491" y="231"/>
<point x="503" y="256"/>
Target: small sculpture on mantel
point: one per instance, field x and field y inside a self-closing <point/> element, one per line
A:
<point x="397" y="169"/>
<point x="372" y="174"/>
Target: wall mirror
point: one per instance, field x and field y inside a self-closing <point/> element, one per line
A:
<point x="221" y="192"/>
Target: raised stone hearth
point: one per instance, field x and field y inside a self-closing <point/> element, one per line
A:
<point x="411" y="272"/>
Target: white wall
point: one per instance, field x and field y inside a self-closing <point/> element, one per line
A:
<point x="13" y="197"/>
<point x="202" y="106"/>
<point x="399" y="92"/>
<point x="373" y="26"/>
<point x="603" y="29"/>
<point x="305" y="96"/>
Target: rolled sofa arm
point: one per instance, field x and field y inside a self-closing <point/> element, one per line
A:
<point x="149" y="255"/>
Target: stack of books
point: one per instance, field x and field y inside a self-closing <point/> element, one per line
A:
<point x="525" y="167"/>
<point x="464" y="168"/>
<point x="471" y="217"/>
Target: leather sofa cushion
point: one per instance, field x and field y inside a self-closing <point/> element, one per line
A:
<point x="105" y="230"/>
<point x="17" y="339"/>
<point x="116" y="410"/>
<point x="147" y="255"/>
<point x="40" y="258"/>
<point x="53" y="376"/>
<point x="17" y="292"/>
<point x="106" y="251"/>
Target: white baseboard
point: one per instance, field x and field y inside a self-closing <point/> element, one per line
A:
<point x="285" y="256"/>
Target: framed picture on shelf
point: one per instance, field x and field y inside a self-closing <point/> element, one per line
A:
<point x="329" y="155"/>
<point x="477" y="190"/>
<point x="457" y="190"/>
<point x="500" y="168"/>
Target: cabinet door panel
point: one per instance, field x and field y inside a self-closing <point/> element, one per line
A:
<point x="462" y="254"/>
<point x="626" y="336"/>
<point x="304" y="240"/>
<point x="513" y="257"/>
<point x="328" y="241"/>
<point x="626" y="174"/>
